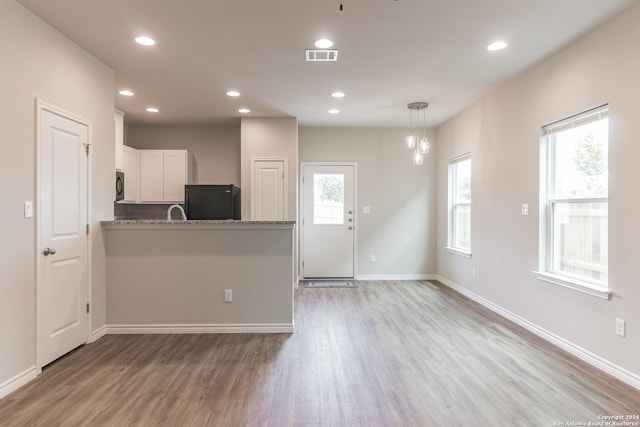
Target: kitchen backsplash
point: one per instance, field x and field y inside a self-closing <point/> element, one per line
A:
<point x="142" y="211"/>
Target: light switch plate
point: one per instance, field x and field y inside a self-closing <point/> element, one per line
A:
<point x="28" y="209"/>
<point x="366" y="210"/>
<point x="525" y="209"/>
<point x="621" y="327"/>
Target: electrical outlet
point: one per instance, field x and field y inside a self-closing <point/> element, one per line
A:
<point x="373" y="258"/>
<point x="621" y="327"/>
<point x="228" y="295"/>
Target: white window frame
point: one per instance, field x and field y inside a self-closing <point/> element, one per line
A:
<point x="465" y="252"/>
<point x="546" y="270"/>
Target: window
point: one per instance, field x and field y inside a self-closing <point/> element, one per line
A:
<point x="460" y="205"/>
<point x="328" y="199"/>
<point x="574" y="228"/>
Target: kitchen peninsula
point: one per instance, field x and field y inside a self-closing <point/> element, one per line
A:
<point x="174" y="276"/>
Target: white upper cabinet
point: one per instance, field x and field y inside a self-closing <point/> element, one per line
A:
<point x="151" y="175"/>
<point x="163" y="175"/>
<point x="118" y="119"/>
<point x="175" y="175"/>
<point x="130" y="168"/>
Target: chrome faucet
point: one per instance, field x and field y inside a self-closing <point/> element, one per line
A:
<point x="182" y="214"/>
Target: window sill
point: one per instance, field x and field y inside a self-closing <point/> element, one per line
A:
<point x="460" y="252"/>
<point x="576" y="285"/>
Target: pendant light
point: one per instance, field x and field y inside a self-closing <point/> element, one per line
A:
<point x="417" y="138"/>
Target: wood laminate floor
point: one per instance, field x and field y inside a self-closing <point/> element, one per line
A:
<point x="384" y="354"/>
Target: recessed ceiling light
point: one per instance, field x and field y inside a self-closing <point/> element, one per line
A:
<point x="233" y="93"/>
<point x="334" y="111"/>
<point x="126" y="93"/>
<point x="152" y="110"/>
<point x="338" y="94"/>
<point x="323" y="43"/>
<point x="244" y="110"/>
<point x="497" y="46"/>
<point x="145" y="41"/>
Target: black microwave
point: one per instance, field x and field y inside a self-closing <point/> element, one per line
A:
<point x="119" y="186"/>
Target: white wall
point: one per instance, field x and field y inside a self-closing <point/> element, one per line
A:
<point x="269" y="137"/>
<point x="502" y="133"/>
<point x="401" y="228"/>
<point x="39" y="62"/>
<point x="214" y="150"/>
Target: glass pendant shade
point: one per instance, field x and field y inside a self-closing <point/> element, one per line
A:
<point x="424" y="146"/>
<point x="417" y="158"/>
<point x="410" y="140"/>
<point x="417" y="140"/>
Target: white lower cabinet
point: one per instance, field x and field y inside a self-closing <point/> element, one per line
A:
<point x="163" y="175"/>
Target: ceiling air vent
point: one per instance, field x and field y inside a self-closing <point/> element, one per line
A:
<point x="321" y="55"/>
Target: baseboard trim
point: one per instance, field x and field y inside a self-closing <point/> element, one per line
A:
<point x="12" y="384"/>
<point x="267" y="328"/>
<point x="369" y="277"/>
<point x="593" y="359"/>
<point x="98" y="333"/>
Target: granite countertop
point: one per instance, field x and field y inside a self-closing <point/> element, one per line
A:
<point x="195" y="221"/>
<point x="192" y="222"/>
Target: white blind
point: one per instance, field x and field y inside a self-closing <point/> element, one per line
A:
<point x="579" y="119"/>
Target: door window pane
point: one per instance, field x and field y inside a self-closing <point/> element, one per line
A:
<point x="328" y="199"/>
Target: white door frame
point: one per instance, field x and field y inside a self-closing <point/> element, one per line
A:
<point x="40" y="107"/>
<point x="355" y="212"/>
<point x="285" y="195"/>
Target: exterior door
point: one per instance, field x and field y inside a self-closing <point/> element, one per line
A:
<point x="328" y="220"/>
<point x="269" y="190"/>
<point x="62" y="235"/>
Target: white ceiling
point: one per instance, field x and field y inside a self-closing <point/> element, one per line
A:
<point x="391" y="53"/>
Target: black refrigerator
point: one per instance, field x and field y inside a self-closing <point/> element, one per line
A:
<point x="212" y="201"/>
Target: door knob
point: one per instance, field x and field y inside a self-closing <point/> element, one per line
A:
<point x="48" y="251"/>
<point x="350" y="228"/>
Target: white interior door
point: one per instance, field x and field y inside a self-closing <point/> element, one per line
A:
<point x="269" y="190"/>
<point x="328" y="221"/>
<point x="62" y="235"/>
